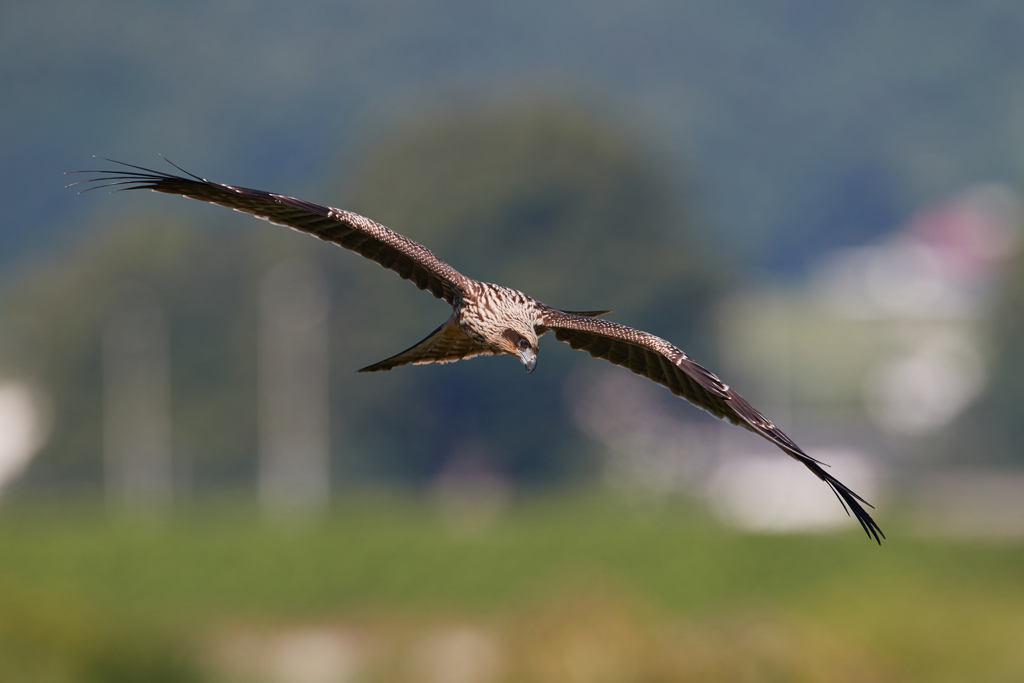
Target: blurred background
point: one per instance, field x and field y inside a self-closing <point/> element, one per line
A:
<point x="819" y="202"/>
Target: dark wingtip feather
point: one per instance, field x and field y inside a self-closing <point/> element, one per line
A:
<point x="850" y="501"/>
<point x="847" y="498"/>
<point x="191" y="175"/>
<point x="141" y="178"/>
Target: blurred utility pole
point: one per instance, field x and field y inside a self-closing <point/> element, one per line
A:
<point x="294" y="465"/>
<point x="136" y="402"/>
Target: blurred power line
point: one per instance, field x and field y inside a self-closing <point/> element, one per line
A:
<point x="294" y="465"/>
<point x="136" y="401"/>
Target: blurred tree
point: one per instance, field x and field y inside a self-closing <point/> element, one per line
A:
<point x="541" y="197"/>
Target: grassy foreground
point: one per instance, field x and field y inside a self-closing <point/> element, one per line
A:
<point x="563" y="588"/>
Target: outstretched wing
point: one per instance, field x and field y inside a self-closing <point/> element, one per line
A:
<point x="376" y="242"/>
<point x="446" y="344"/>
<point x="658" y="360"/>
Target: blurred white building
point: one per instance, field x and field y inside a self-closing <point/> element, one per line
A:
<point x="895" y="330"/>
<point x="886" y="343"/>
<point x="927" y="291"/>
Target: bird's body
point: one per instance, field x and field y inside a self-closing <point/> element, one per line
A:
<point x="489" y="319"/>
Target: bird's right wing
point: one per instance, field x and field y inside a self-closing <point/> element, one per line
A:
<point x="660" y="361"/>
<point x="376" y="242"/>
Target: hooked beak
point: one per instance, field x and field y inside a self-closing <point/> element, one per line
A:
<point x="529" y="358"/>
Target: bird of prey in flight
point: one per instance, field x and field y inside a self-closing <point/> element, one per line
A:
<point x="487" y="319"/>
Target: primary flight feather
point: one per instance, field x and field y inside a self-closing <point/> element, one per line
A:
<point x="487" y="319"/>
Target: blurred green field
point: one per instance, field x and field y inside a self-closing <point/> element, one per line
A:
<point x="652" y="592"/>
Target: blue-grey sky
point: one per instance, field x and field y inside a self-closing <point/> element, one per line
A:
<point x="800" y="125"/>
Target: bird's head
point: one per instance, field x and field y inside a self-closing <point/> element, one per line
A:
<point x="521" y="340"/>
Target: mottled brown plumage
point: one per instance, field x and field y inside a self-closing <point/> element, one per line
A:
<point x="489" y="319"/>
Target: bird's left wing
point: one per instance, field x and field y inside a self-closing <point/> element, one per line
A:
<point x="376" y="242"/>
<point x="660" y="361"/>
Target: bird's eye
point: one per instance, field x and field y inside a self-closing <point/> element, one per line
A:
<point x="523" y="344"/>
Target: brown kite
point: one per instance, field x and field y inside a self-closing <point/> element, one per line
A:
<point x="488" y="319"/>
